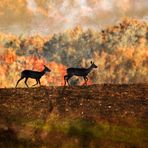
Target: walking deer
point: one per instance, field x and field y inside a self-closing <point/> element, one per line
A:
<point x="33" y="74"/>
<point x="83" y="72"/>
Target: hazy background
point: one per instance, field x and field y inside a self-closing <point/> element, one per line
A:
<point x="53" y="16"/>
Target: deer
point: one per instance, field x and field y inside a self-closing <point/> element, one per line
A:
<point x="34" y="75"/>
<point x="83" y="72"/>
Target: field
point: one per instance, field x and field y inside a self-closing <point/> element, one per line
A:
<point x="105" y="115"/>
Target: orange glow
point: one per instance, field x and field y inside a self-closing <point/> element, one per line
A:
<point x="116" y="64"/>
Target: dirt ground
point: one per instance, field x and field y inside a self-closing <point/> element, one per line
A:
<point x="119" y="105"/>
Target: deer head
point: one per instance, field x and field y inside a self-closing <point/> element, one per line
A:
<point x="46" y="69"/>
<point x="93" y="65"/>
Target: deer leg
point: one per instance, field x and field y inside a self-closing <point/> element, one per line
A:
<point x="68" y="79"/>
<point x="19" y="81"/>
<point x="39" y="82"/>
<point x="26" y="82"/>
<point x="85" y="79"/>
<point x="36" y="82"/>
<point x="65" y="79"/>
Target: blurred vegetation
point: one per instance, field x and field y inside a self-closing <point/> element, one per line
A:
<point x="120" y="51"/>
<point x="73" y="133"/>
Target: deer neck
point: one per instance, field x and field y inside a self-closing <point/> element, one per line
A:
<point x="89" y="69"/>
<point x="43" y="72"/>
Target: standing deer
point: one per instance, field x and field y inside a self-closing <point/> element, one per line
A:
<point x="33" y="74"/>
<point x="83" y="72"/>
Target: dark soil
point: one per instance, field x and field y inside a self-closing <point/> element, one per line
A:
<point x="119" y="105"/>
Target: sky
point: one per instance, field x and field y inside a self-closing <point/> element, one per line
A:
<point x="54" y="16"/>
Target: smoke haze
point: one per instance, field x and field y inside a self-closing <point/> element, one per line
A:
<point x="53" y="16"/>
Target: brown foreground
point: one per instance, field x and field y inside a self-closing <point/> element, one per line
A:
<point x="80" y="116"/>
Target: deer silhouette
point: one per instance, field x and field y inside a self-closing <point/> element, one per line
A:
<point x="83" y="72"/>
<point x="33" y="74"/>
